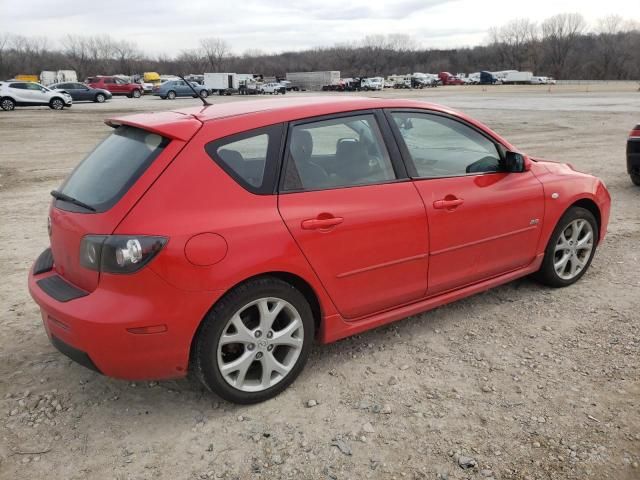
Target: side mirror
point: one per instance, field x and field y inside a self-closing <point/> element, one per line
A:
<point x="514" y="162"/>
<point x="43" y="90"/>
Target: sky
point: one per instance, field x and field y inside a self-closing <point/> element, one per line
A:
<point x="165" y="27"/>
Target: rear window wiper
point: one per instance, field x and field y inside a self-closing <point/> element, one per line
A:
<point x="66" y="198"/>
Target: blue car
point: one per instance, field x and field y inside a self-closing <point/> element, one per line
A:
<point x="179" y="88"/>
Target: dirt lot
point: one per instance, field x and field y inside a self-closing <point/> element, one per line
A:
<point x="529" y="382"/>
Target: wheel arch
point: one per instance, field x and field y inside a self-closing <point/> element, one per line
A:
<point x="592" y="206"/>
<point x="299" y="283"/>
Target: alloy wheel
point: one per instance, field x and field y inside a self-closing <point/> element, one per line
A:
<point x="573" y="249"/>
<point x="7" y="104"/>
<point x="260" y="344"/>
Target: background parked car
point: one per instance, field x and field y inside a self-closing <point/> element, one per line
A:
<point x="81" y="92"/>
<point x="633" y="155"/>
<point x="116" y="85"/>
<point x="179" y="88"/>
<point x="273" y="88"/>
<point x="26" y="94"/>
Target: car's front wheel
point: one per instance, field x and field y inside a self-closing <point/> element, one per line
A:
<point x="635" y="178"/>
<point x="171" y="95"/>
<point x="204" y="93"/>
<point x="570" y="248"/>
<point x="100" y="98"/>
<point x="255" y="341"/>
<point x="136" y="94"/>
<point x="56" y="104"/>
<point x="7" y="104"/>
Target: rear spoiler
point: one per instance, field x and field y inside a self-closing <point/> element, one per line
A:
<point x="173" y="125"/>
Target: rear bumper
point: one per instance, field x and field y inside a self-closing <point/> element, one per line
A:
<point x="95" y="329"/>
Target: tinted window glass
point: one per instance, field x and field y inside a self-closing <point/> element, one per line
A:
<point x="20" y="86"/>
<point x="113" y="167"/>
<point x="336" y="153"/>
<point x="249" y="157"/>
<point x="34" y="86"/>
<point x="442" y="147"/>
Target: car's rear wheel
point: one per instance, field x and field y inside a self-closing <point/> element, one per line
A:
<point x="100" y="98"/>
<point x="171" y="95"/>
<point x="570" y="248"/>
<point x="255" y="341"/>
<point x="136" y="94"/>
<point x="7" y="104"/>
<point x="56" y="104"/>
<point x="204" y="93"/>
<point x="634" y="178"/>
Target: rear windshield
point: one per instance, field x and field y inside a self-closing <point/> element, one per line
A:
<point x="113" y="167"/>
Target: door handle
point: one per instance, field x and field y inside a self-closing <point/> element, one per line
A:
<point x="320" y="223"/>
<point x="448" y="203"/>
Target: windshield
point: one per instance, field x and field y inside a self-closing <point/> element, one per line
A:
<point x="108" y="172"/>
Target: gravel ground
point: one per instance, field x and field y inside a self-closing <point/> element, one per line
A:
<point x="522" y="382"/>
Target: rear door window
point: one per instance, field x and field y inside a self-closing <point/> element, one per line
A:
<point x="108" y="172"/>
<point x="341" y="152"/>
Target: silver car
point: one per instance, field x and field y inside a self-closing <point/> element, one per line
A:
<point x="14" y="93"/>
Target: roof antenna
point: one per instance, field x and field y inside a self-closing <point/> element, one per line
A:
<point x="204" y="100"/>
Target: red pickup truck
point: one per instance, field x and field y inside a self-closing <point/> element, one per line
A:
<point x="117" y="86"/>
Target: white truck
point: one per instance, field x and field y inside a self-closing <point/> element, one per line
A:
<point x="325" y="80"/>
<point x="400" y="81"/>
<point x="517" y="78"/>
<point x="222" y="83"/>
<point x="372" y="83"/>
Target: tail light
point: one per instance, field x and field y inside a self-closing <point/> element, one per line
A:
<point x="119" y="253"/>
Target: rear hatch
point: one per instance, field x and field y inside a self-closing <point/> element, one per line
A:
<point x="102" y="189"/>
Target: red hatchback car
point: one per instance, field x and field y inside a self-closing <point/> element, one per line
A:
<point x="227" y="238"/>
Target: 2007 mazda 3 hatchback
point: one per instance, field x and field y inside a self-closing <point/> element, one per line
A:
<point x="227" y="238"/>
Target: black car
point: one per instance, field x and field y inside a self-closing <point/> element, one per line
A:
<point x="633" y="155"/>
<point x="81" y="92"/>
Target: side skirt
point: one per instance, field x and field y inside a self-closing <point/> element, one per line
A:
<point x="335" y="327"/>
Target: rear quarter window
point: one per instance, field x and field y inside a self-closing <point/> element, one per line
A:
<point x="110" y="170"/>
<point x="250" y="158"/>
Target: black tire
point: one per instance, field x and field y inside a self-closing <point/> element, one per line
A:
<point x="547" y="274"/>
<point x="204" y="94"/>
<point x="635" y="178"/>
<point x="56" y="103"/>
<point x="7" y="104"/>
<point x="171" y="95"/>
<point x="100" y="98"/>
<point x="136" y="93"/>
<point x="214" y="324"/>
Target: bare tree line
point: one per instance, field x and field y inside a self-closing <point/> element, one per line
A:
<point x="561" y="46"/>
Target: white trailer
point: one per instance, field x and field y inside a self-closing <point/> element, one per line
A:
<point x="48" y="77"/>
<point x="66" y="76"/>
<point x="326" y="80"/>
<point x="222" y="83"/>
<point x="518" y="77"/>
